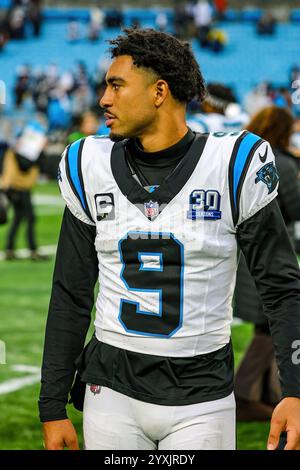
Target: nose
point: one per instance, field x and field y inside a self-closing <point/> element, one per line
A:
<point x="106" y="100"/>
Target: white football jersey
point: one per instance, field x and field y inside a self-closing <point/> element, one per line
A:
<point x="215" y="122"/>
<point x="167" y="259"/>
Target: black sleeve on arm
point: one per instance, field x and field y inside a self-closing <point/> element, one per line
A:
<point x="289" y="189"/>
<point x="273" y="264"/>
<point x="71" y="303"/>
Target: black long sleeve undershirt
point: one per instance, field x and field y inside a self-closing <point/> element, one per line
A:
<point x="266" y="246"/>
<point x="272" y="262"/>
<point x="71" y="303"/>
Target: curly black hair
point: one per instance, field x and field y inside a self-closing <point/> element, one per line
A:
<point x="170" y="59"/>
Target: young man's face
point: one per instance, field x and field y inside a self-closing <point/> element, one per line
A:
<point x="129" y="99"/>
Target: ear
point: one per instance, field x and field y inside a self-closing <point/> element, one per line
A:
<point x="161" y="91"/>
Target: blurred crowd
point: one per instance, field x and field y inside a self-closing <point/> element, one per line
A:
<point x="22" y="18"/>
<point x="192" y="19"/>
<point x="63" y="98"/>
<point x="196" y="19"/>
<point x="59" y="96"/>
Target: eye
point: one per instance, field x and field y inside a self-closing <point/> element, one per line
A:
<point x="115" y="86"/>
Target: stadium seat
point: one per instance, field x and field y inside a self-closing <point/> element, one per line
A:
<point x="232" y="15"/>
<point x="251" y="15"/>
<point x="65" y="14"/>
<point x="4" y="4"/>
<point x="295" y="15"/>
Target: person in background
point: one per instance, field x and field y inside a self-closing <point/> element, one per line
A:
<point x="88" y="124"/>
<point x="35" y="16"/>
<point x="256" y="383"/>
<point x="203" y="18"/>
<point x="220" y="8"/>
<point x="220" y="111"/>
<point x="3" y="198"/>
<point x="96" y="23"/>
<point x="258" y="98"/>
<point x="295" y="140"/>
<point x="20" y="171"/>
<point x="266" y="25"/>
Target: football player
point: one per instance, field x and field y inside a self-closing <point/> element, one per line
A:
<point x="220" y="112"/>
<point x="158" y="213"/>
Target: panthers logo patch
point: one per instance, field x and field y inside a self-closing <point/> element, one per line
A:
<point x="269" y="176"/>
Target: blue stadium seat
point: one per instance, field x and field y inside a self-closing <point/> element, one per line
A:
<point x="295" y="15"/>
<point x="232" y="15"/>
<point x="4" y="4"/>
<point x="65" y="14"/>
<point x="249" y="15"/>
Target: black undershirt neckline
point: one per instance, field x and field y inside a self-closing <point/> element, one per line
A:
<point x="156" y="166"/>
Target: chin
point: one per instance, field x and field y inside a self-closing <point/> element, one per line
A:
<point x="116" y="137"/>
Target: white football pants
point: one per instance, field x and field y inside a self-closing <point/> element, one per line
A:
<point x="113" y="421"/>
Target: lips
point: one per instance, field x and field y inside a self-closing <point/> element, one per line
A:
<point x="109" y="119"/>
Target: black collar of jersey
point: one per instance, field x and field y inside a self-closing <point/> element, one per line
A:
<point x="162" y="157"/>
<point x="171" y="185"/>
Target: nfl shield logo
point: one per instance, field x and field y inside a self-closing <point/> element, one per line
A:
<point x="151" y="209"/>
<point x="95" y="389"/>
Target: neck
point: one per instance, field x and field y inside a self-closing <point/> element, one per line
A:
<point x="167" y="131"/>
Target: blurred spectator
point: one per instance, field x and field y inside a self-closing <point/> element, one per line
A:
<point x="52" y="74"/>
<point x="294" y="73"/>
<point x="282" y="98"/>
<point x="88" y="124"/>
<point x="4" y="205"/>
<point x="16" y="22"/>
<point x="161" y="21"/>
<point x="257" y="99"/>
<point x="40" y="91"/>
<point x="220" y="112"/>
<point x="95" y="27"/>
<point x="73" y="33"/>
<point x="184" y="25"/>
<point x="3" y="149"/>
<point x="203" y="17"/>
<point x="19" y="175"/>
<point x="257" y="387"/>
<point x="114" y="18"/>
<point x="295" y="140"/>
<point x="3" y="38"/>
<point x="59" y="110"/>
<point x="203" y="14"/>
<point x="67" y="81"/>
<point x="216" y="40"/>
<point x="220" y="7"/>
<point x="4" y="30"/>
<point x="266" y="25"/>
<point x="34" y="16"/>
<point x="22" y="85"/>
<point x="82" y="100"/>
<point x="81" y="74"/>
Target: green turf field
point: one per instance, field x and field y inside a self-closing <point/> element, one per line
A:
<point x="24" y="295"/>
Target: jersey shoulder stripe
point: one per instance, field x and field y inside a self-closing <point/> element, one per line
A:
<point x="241" y="157"/>
<point x="74" y="173"/>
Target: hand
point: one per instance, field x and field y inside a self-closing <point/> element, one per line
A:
<point x="286" y="417"/>
<point x="60" y="434"/>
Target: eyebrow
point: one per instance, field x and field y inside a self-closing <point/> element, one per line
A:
<point x="115" y="79"/>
